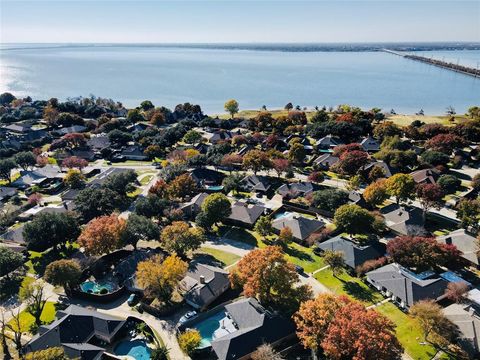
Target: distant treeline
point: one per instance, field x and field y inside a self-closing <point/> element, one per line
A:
<point x="298" y="47"/>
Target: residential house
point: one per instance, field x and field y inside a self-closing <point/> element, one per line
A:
<point x="248" y="325"/>
<point x="194" y="206"/>
<point x="325" y="161"/>
<point x="244" y="214"/>
<point x="370" y="144"/>
<point x="206" y="177"/>
<point x="355" y="197"/>
<point x="70" y="130"/>
<point x="133" y="152"/>
<point x="7" y="192"/>
<point x="82" y="333"/>
<point x="18" y="128"/>
<point x="466" y="242"/>
<point x="353" y="254"/>
<point x="293" y="190"/>
<point x="40" y="176"/>
<point x="98" y="142"/>
<point x="406" y="287"/>
<point x="404" y="220"/>
<point x="257" y="183"/>
<point x="386" y="169"/>
<point x="218" y="135"/>
<point x="328" y="143"/>
<point x="301" y="227"/>
<point x="13" y="238"/>
<point x="466" y="317"/>
<point x="426" y="176"/>
<point x="203" y="284"/>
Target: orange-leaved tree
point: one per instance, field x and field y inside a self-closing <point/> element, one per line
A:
<point x="266" y="275"/>
<point x="102" y="235"/>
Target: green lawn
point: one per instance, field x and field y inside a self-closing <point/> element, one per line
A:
<point x="409" y="332"/>
<point x="295" y="253"/>
<point x="224" y="257"/>
<point x="27" y="320"/>
<point x="350" y="286"/>
<point x="146" y="179"/>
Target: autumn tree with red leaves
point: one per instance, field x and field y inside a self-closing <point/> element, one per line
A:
<point x="74" y="162"/>
<point x="268" y="276"/>
<point x="445" y="143"/>
<point x="430" y="196"/>
<point x="102" y="235"/>
<point x="422" y="253"/>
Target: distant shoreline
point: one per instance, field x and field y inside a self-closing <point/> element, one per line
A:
<point x="287" y="47"/>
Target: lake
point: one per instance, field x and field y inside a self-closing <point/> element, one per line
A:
<point x="168" y="76"/>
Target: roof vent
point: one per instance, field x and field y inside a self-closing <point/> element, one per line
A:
<point x="202" y="279"/>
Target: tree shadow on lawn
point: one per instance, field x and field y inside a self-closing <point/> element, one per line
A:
<point x="208" y="259"/>
<point x="237" y="234"/>
<point x="10" y="286"/>
<point x="301" y="255"/>
<point x="358" y="292"/>
<point x="41" y="262"/>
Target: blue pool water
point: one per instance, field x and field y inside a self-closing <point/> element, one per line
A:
<point x="281" y="215"/>
<point x="208" y="326"/>
<point x="215" y="188"/>
<point x="96" y="286"/>
<point x="137" y="349"/>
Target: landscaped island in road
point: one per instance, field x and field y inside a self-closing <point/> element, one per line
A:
<point x="265" y="234"/>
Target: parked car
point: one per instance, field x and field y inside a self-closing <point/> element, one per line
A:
<point x="299" y="269"/>
<point x="189" y="315"/>
<point x="132" y="299"/>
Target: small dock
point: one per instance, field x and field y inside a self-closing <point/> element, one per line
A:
<point x="466" y="70"/>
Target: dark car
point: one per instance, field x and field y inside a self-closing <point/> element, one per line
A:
<point x="132" y="299"/>
<point x="299" y="269"/>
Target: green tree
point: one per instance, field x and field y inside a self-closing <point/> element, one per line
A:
<point x="75" y="179"/>
<point x="146" y="105"/>
<point x="335" y="260"/>
<point x="48" y="230"/>
<point x="353" y="219"/>
<point x="216" y="207"/>
<point x="6" y="167"/>
<point x="93" y="202"/>
<point x="65" y="272"/>
<point x="449" y="183"/>
<point x="121" y="183"/>
<point x="264" y="226"/>
<point x="134" y="116"/>
<point x="231" y="106"/>
<point x="468" y="211"/>
<point x="140" y="228"/>
<point x="9" y="261"/>
<point x="33" y="296"/>
<point x="192" y="137"/>
<point x="53" y="353"/>
<point x="296" y="154"/>
<point x="401" y="186"/>
<point x="25" y="159"/>
<point x="233" y="183"/>
<point x="180" y="238"/>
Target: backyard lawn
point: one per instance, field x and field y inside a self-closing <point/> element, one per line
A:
<point x="409" y="332"/>
<point x="224" y="257"/>
<point x="27" y="320"/>
<point x="350" y="286"/>
<point x="295" y="253"/>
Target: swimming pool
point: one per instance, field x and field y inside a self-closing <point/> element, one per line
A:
<point x="95" y="287"/>
<point x="214" y="327"/>
<point x="137" y="349"/>
<point x="282" y="215"/>
<point x="214" y="187"/>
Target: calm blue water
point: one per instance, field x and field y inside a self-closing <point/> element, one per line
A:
<point x="137" y="349"/>
<point x="97" y="286"/>
<point x="169" y="76"/>
<point x="208" y="326"/>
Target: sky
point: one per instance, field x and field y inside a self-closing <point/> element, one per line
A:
<point x="229" y="21"/>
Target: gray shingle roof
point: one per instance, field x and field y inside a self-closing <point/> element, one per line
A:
<point x="405" y="220"/>
<point x="256" y="183"/>
<point x="465" y="242"/>
<point x="404" y="285"/>
<point x="246" y="213"/>
<point x="467" y="320"/>
<point x="353" y="254"/>
<point x="255" y="327"/>
<point x="295" y="189"/>
<point x="74" y="328"/>
<point x="201" y="294"/>
<point x="301" y="227"/>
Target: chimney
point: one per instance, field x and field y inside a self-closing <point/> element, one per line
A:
<point x="202" y="279"/>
